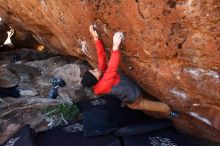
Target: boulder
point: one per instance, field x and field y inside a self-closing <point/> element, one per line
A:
<point x="172" y="47"/>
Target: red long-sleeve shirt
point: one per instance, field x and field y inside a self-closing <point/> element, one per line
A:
<point x="110" y="76"/>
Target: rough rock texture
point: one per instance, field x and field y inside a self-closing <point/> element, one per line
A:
<point x="3" y="32"/>
<point x="16" y="112"/>
<point x="172" y="47"/>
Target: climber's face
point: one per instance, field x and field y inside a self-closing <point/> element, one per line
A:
<point x="96" y="72"/>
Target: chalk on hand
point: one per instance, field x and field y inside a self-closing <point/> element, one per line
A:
<point x="94" y="25"/>
<point x="120" y="34"/>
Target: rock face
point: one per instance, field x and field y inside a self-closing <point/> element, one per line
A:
<point x="172" y="47"/>
<point x="3" y="32"/>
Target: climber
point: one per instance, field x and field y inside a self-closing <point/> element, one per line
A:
<point x="106" y="79"/>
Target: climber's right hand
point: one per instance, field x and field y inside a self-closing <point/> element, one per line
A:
<point x="117" y="38"/>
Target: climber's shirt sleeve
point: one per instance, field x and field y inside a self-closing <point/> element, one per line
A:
<point x="101" y="56"/>
<point x="110" y="76"/>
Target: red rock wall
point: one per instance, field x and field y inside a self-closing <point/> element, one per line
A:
<point x="172" y="47"/>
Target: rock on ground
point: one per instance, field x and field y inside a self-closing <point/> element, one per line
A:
<point x="16" y="112"/>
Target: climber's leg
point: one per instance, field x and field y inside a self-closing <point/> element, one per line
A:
<point x="147" y="105"/>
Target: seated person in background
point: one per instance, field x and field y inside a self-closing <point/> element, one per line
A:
<point x="106" y="79"/>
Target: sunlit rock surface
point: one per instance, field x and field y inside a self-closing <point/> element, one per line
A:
<point x="172" y="47"/>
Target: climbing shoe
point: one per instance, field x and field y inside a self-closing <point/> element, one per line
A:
<point x="173" y="114"/>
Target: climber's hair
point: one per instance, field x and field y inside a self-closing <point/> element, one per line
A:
<point x="88" y="79"/>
